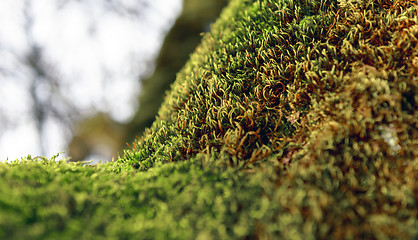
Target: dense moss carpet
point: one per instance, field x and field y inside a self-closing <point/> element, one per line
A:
<point x="293" y="119"/>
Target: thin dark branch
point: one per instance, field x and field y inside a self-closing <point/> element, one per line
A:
<point x="49" y="104"/>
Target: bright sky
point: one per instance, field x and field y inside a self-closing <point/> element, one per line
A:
<point x="100" y="57"/>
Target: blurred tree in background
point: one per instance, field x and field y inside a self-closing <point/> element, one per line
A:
<point x="45" y="99"/>
<point x="36" y="74"/>
<point x="100" y="134"/>
<point x="44" y="86"/>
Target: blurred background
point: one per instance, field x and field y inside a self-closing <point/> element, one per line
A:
<point x="87" y="77"/>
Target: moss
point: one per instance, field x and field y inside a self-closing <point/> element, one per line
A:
<point x="292" y="119"/>
<point x="254" y="83"/>
<point x="44" y="199"/>
<point x="314" y="86"/>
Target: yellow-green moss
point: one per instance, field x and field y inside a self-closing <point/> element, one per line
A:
<point x="258" y="83"/>
<point x="321" y="87"/>
<point x="292" y="120"/>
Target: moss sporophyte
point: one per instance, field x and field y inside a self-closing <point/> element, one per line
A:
<point x="292" y="119"/>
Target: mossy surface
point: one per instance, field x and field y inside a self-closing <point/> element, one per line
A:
<point x="292" y="120"/>
<point x="44" y="199"/>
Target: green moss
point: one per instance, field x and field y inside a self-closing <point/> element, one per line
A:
<point x="48" y="200"/>
<point x="292" y="119"/>
<point x="307" y="84"/>
<point x="256" y="80"/>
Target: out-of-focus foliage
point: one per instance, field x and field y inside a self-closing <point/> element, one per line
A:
<point x="184" y="36"/>
<point x="99" y="135"/>
<point x="44" y="84"/>
<point x="39" y="79"/>
<point x="292" y="120"/>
